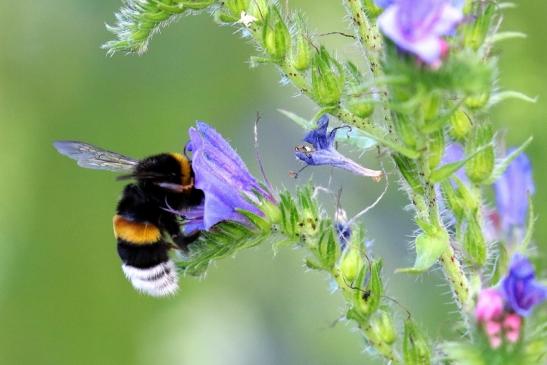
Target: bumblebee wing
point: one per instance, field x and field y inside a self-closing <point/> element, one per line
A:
<point x="92" y="157"/>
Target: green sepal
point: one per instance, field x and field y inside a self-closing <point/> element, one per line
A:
<point x="502" y="165"/>
<point x="416" y="349"/>
<point x="446" y="171"/>
<point x="429" y="247"/>
<point x="474" y="243"/>
<point x="367" y="299"/>
<point x="327" y="78"/>
<point x="276" y="38"/>
<point x="480" y="166"/>
<point x="501" y="265"/>
<point x="407" y="167"/>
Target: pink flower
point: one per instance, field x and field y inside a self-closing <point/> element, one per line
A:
<point x="489" y="305"/>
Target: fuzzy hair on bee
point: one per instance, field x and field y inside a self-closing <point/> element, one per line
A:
<point x="145" y="227"/>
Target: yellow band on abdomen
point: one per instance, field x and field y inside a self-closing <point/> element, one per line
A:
<point x="136" y="233"/>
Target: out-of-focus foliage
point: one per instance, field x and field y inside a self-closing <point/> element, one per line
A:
<point x="63" y="298"/>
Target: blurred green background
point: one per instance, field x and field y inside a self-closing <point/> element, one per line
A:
<point x="63" y="298"/>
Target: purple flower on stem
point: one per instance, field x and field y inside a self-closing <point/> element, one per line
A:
<point x="520" y="289"/>
<point x="512" y="190"/>
<point x="224" y="179"/>
<point x="323" y="152"/>
<point x="417" y="26"/>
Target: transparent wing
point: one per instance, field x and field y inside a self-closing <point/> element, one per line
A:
<point x="92" y="157"/>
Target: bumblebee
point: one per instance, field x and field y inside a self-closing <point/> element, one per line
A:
<point x="145" y="227"/>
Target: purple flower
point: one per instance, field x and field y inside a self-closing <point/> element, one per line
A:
<point x="521" y="290"/>
<point x="512" y="190"/>
<point x="224" y="179"/>
<point x="323" y="152"/>
<point x="417" y="26"/>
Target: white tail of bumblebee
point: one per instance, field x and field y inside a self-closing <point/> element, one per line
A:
<point x="157" y="281"/>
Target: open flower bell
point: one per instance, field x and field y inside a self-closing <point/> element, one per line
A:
<point x="227" y="184"/>
<point x="417" y="26"/>
<point x="322" y="151"/>
<point x="519" y="287"/>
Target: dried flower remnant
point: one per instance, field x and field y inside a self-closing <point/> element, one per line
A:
<point x="322" y="151"/>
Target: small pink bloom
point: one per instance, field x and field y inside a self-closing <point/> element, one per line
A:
<point x="489" y="305"/>
<point x="492" y="328"/>
<point x="495" y="341"/>
<point x="512" y="324"/>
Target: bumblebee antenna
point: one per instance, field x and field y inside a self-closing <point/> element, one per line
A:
<point x="258" y="156"/>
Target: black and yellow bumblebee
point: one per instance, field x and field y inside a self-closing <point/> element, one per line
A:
<point x="145" y="227"/>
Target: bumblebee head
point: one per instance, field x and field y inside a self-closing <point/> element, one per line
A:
<point x="170" y="171"/>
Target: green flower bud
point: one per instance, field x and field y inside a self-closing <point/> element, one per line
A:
<point x="361" y="107"/>
<point x="460" y="125"/>
<point x="474" y="243"/>
<point x="301" y="54"/>
<point x="477" y="101"/>
<point x="258" y="9"/>
<point x="368" y="298"/>
<point x="327" y="79"/>
<point x="435" y="149"/>
<point x="275" y="35"/>
<point x="430" y="106"/>
<point x="475" y="32"/>
<point x="453" y="199"/>
<point x="409" y="170"/>
<point x="416" y="350"/>
<point x="382" y="325"/>
<point x="406" y="130"/>
<point x="351" y="262"/>
<point x="235" y="7"/>
<point x="479" y="168"/>
<point x="371" y="9"/>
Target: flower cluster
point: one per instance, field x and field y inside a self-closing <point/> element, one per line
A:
<point x="418" y="26"/>
<point x="500" y="310"/>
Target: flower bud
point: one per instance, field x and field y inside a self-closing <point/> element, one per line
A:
<point x="258" y="9"/>
<point x="477" y="101"/>
<point x="406" y="130"/>
<point x="475" y="32"/>
<point x="382" y="325"/>
<point x="360" y="107"/>
<point x="416" y="350"/>
<point x="460" y="125"/>
<point x="235" y="7"/>
<point x="368" y="298"/>
<point x="351" y="263"/>
<point x="409" y="170"/>
<point x="480" y="167"/>
<point x="301" y="51"/>
<point x="430" y="107"/>
<point x="435" y="149"/>
<point x="327" y="79"/>
<point x="453" y="199"/>
<point x="275" y="35"/>
<point x="474" y="243"/>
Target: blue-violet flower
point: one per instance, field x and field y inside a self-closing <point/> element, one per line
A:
<point x="521" y="290"/>
<point x="417" y="26"/>
<point x="512" y="190"/>
<point x="323" y="152"/>
<point x="224" y="179"/>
